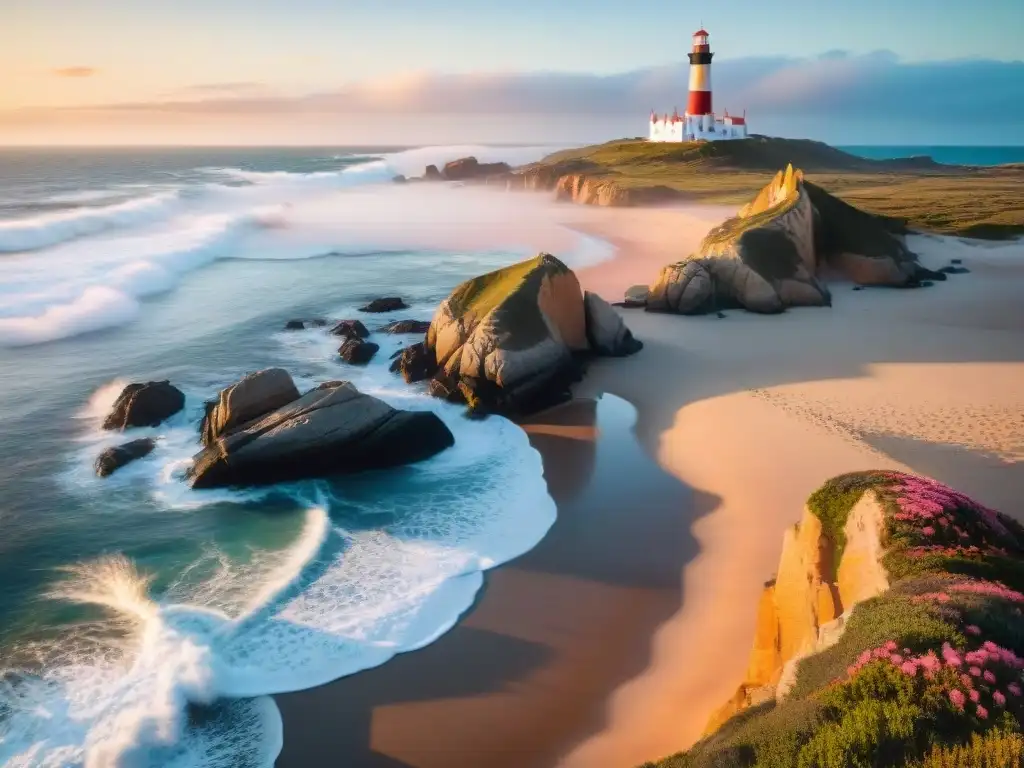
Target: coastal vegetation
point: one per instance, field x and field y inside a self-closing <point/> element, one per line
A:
<point x="926" y="673"/>
<point x="954" y="200"/>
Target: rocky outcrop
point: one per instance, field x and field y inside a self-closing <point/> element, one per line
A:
<point x="774" y="253"/>
<point x="386" y="304"/>
<point x="358" y="351"/>
<point x="112" y="459"/>
<point x="470" y="168"/>
<point x="257" y="394"/>
<point x="606" y="332"/>
<point x="145" y="405"/>
<point x="511" y="341"/>
<point x="333" y="429"/>
<point x="350" y="329"/>
<point x="406" y="326"/>
<point x="415" y="363"/>
<point x="804" y="609"/>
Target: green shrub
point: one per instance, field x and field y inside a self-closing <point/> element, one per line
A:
<point x="833" y="501"/>
<point x="1002" y="747"/>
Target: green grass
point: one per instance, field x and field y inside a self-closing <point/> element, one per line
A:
<point x="955" y="200"/>
<point x="832" y="504"/>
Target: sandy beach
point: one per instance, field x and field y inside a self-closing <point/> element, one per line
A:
<point x="676" y="472"/>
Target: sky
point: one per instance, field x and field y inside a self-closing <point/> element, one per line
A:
<point x="413" y="71"/>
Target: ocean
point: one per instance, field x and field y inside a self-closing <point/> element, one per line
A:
<point x="145" y="624"/>
<point x="949" y="155"/>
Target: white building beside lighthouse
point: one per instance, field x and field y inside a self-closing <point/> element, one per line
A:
<point x="699" y="121"/>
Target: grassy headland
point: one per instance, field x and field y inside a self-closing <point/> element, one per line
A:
<point x="955" y="200"/>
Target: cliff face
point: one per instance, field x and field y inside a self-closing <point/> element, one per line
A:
<point x="803" y="611"/>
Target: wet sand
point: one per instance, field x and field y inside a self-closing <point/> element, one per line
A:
<point x="615" y="638"/>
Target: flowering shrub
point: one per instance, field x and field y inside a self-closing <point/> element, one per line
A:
<point x="928" y="674"/>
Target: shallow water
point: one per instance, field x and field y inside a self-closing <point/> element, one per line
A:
<point x="129" y="600"/>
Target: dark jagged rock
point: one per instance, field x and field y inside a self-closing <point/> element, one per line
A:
<point x="467" y="168"/>
<point x="248" y="399"/>
<point x="406" y="326"/>
<point x="954" y="270"/>
<point x="769" y="256"/>
<point x="350" y="329"/>
<point x="300" y="325"/>
<point x="145" y="405"/>
<point x="386" y="304"/>
<point x="112" y="459"/>
<point x="357" y="351"/>
<point x="509" y="340"/>
<point x="333" y="429"/>
<point x="432" y="174"/>
<point x="415" y="363"/>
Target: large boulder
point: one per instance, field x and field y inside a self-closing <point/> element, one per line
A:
<point x="509" y="341"/>
<point x="774" y="252"/>
<point x="406" y="326"/>
<point x="145" y="405"/>
<point x="333" y="429"/>
<point x="606" y="332"/>
<point x="112" y="459"/>
<point x="350" y="329"/>
<point x="255" y="395"/>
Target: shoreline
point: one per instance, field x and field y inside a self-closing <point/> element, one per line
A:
<point x="612" y="641"/>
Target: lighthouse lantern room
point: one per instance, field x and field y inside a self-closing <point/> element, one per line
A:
<point x="699" y="121"/>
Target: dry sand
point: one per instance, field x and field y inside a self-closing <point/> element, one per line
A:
<point x="611" y="642"/>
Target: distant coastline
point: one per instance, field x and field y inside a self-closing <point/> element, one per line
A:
<point x="944" y="154"/>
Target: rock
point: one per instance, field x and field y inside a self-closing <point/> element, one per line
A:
<point x="432" y="174"/>
<point x="248" y="399"/>
<point x="636" y="296"/>
<point x="357" y="351"/>
<point x="333" y="429"/>
<point x="145" y="405"/>
<point x="387" y="304"/>
<point x="954" y="270"/>
<point x="399" y="179"/>
<point x="470" y="168"/>
<point x="507" y="340"/>
<point x="606" y="332"/>
<point x="112" y="459"/>
<point x="956" y="261"/>
<point x="769" y="256"/>
<point x="406" y="326"/>
<point x="415" y="363"/>
<point x="299" y="325"/>
<point x="350" y="329"/>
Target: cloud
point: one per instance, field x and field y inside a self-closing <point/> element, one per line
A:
<point x="958" y="101"/>
<point x="74" y="71"/>
<point x="218" y="89"/>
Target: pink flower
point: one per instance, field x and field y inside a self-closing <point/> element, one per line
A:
<point x="999" y="699"/>
<point x="928" y="531"/>
<point x="957" y="697"/>
<point x="909" y="668"/>
<point x="975" y="671"/>
<point x="1014" y="689"/>
<point x="896" y="659"/>
<point x="989" y="677"/>
<point x="982" y="712"/>
<point x="974" y="695"/>
<point x="973" y="629"/>
<point x="890" y="645"/>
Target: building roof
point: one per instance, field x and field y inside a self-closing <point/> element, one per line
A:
<point x="701" y="32"/>
<point x="737" y="120"/>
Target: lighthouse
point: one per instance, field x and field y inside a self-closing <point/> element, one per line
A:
<point x="699" y="121"/>
<point x="699" y="104"/>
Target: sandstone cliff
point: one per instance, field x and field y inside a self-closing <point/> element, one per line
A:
<point x="804" y="609"/>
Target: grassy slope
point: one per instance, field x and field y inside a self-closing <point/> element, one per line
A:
<point x="984" y="202"/>
<point x="853" y="707"/>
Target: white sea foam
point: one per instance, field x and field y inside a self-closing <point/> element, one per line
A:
<point x="117" y="256"/>
<point x="340" y="598"/>
<point x="49" y="229"/>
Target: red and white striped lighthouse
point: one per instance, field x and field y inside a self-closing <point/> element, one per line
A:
<point x="700" y="75"/>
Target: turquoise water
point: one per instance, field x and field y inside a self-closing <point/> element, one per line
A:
<point x="145" y="624"/>
<point x="943" y="154"/>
